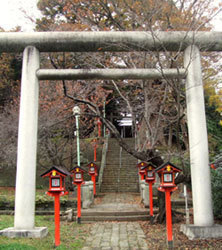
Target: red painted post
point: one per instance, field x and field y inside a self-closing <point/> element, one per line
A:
<point x="168" y="218"/>
<point x="142" y="177"/>
<point x="151" y="198"/>
<point x="95" y="151"/>
<point x="79" y="203"/>
<point x="57" y="219"/>
<point x="99" y="127"/>
<point x="93" y="178"/>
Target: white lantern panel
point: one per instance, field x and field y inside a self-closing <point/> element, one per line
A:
<point x="78" y="176"/>
<point x="55" y="182"/>
<point x="168" y="177"/>
<point x="150" y="174"/>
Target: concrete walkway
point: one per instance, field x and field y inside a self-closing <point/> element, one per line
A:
<point x="117" y="202"/>
<point x="116" y="235"/>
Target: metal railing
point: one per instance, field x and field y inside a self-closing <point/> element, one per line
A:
<point x="103" y="161"/>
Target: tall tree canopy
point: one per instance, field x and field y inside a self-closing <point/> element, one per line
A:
<point x="159" y="104"/>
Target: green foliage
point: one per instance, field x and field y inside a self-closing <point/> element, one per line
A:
<point x="39" y="199"/>
<point x="5" y="222"/>
<point x="44" y="198"/>
<point x="72" y="235"/>
<point x="16" y="246"/>
<point x="214" y="129"/>
<point x="10" y="75"/>
<point x="5" y="199"/>
<point x="216" y="192"/>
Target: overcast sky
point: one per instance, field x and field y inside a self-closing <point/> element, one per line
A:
<point x="11" y="14"/>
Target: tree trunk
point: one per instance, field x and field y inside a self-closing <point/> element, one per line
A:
<point x="161" y="216"/>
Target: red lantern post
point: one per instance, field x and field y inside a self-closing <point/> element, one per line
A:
<point x="56" y="189"/>
<point x="150" y="179"/>
<point x="99" y="123"/>
<point x="167" y="184"/>
<point x="141" y="166"/>
<point x="93" y="173"/>
<point x="57" y="219"/>
<point x="78" y="180"/>
<point x="95" y="147"/>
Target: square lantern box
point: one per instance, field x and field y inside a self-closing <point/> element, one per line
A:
<point x="167" y="173"/>
<point x="92" y="168"/>
<point x="142" y="168"/>
<point x="56" y="179"/>
<point x="77" y="175"/>
<point x="150" y="172"/>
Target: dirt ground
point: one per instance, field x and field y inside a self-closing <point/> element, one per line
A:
<point x="155" y="239"/>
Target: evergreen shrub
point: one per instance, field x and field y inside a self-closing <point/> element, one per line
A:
<point x="216" y="177"/>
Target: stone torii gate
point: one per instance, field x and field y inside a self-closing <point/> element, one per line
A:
<point x="34" y="43"/>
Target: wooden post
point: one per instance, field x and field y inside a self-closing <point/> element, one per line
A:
<point x="169" y="218"/>
<point x="93" y="178"/>
<point x="151" y="197"/>
<point x="79" y="203"/>
<point x="57" y="219"/>
<point x="99" y="127"/>
<point x="95" y="151"/>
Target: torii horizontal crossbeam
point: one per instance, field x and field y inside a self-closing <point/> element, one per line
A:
<point x="91" y="41"/>
<point x="109" y="74"/>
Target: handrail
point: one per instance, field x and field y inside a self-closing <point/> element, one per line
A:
<point x="103" y="161"/>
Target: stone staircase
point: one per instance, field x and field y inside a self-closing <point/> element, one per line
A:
<point x="114" y="207"/>
<point x="120" y="173"/>
<point x="94" y="216"/>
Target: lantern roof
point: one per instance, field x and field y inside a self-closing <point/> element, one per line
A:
<point x="59" y="170"/>
<point x="91" y="164"/>
<point x="168" y="166"/>
<point x="149" y="164"/>
<point x="142" y="164"/>
<point x="77" y="169"/>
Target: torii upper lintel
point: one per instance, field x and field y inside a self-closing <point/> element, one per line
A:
<point x="121" y="41"/>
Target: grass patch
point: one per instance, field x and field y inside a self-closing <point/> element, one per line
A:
<point x="72" y="235"/>
<point x="15" y="246"/>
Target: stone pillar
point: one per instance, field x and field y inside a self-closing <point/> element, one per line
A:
<point x="27" y="142"/>
<point x="144" y="187"/>
<point x="87" y="194"/>
<point x="198" y="142"/>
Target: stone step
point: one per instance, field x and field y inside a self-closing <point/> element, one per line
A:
<point x="122" y="175"/>
<point x="114" y="157"/>
<point x="92" y="219"/>
<point x="120" y="189"/>
<point x="112" y="213"/>
<point x="111" y="166"/>
<point x="117" y="165"/>
<point x="116" y="172"/>
<point x="117" y="153"/>
<point x="116" y="187"/>
<point x="117" y="176"/>
<point x="121" y="181"/>
<point x="111" y="169"/>
<point x="123" y="164"/>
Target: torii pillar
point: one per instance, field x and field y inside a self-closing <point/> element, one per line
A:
<point x="24" y="219"/>
<point x="198" y="143"/>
